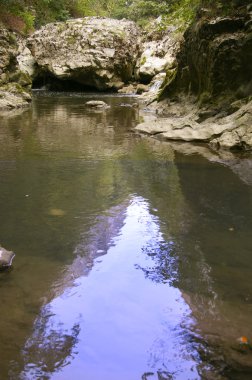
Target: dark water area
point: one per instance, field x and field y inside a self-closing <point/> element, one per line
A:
<point x="133" y="261"/>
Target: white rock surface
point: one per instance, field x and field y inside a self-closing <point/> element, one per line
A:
<point x="6" y="258"/>
<point x="158" y="56"/>
<point x="230" y="132"/>
<point x="93" y="51"/>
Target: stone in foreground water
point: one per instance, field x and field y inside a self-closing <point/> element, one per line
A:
<point x="6" y="258"/>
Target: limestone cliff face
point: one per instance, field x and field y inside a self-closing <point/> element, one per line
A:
<point x="14" y="84"/>
<point x="92" y="51"/>
<point x="215" y="71"/>
<point x="216" y="58"/>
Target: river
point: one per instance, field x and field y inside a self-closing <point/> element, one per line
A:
<point x="133" y="260"/>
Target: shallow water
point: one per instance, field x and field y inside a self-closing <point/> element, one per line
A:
<point x="133" y="261"/>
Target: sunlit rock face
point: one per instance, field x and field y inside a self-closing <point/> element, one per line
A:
<point x="158" y="55"/>
<point x="14" y="83"/>
<point x="96" y="52"/>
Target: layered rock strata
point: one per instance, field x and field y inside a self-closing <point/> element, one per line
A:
<point x="183" y="124"/>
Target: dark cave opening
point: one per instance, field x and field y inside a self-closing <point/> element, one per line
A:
<point x="49" y="82"/>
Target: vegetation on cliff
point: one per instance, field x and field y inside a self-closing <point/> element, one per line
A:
<point x="27" y="15"/>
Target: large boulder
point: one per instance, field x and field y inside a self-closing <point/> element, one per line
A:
<point x="15" y="84"/>
<point x="96" y="52"/>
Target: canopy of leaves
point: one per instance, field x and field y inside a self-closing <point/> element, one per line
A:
<point x="25" y="15"/>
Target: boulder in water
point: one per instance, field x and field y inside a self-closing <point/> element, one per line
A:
<point x="97" y="104"/>
<point x="6" y="258"/>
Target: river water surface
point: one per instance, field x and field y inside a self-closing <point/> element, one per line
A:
<point x="133" y="261"/>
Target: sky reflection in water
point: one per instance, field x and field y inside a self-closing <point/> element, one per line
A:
<point x="107" y="276"/>
<point x="118" y="322"/>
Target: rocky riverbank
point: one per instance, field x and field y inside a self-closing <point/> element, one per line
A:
<point x="15" y="85"/>
<point x="185" y="121"/>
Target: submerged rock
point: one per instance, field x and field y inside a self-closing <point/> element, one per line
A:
<point x="56" y="212"/>
<point x="93" y="51"/>
<point x="6" y="258"/>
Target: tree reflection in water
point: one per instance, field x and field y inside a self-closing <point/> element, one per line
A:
<point x="50" y="347"/>
<point x="165" y="262"/>
<point x="188" y="228"/>
<point x="116" y="323"/>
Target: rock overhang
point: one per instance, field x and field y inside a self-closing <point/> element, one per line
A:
<point x="94" y="52"/>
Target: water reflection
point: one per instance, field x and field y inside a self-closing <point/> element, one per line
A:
<point x="49" y="349"/>
<point x="118" y="324"/>
<point x="119" y="241"/>
<point x="219" y="237"/>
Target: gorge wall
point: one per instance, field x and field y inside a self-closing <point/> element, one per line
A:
<point x="216" y="58"/>
<point x="207" y="97"/>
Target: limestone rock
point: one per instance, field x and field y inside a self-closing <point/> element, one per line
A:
<point x="92" y="51"/>
<point x="240" y="137"/>
<point x="97" y="104"/>
<point x="15" y="85"/>
<point x="13" y="96"/>
<point x="216" y="59"/>
<point x="158" y="55"/>
<point x="182" y="129"/>
<point x="26" y="61"/>
<point x="6" y="258"/>
<point x="129" y="90"/>
<point x="141" y="88"/>
<point x="230" y="132"/>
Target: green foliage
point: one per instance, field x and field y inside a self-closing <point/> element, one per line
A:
<point x="28" y="19"/>
<point x="35" y="13"/>
<point x="140" y="10"/>
<point x="175" y="12"/>
<point x="181" y="14"/>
